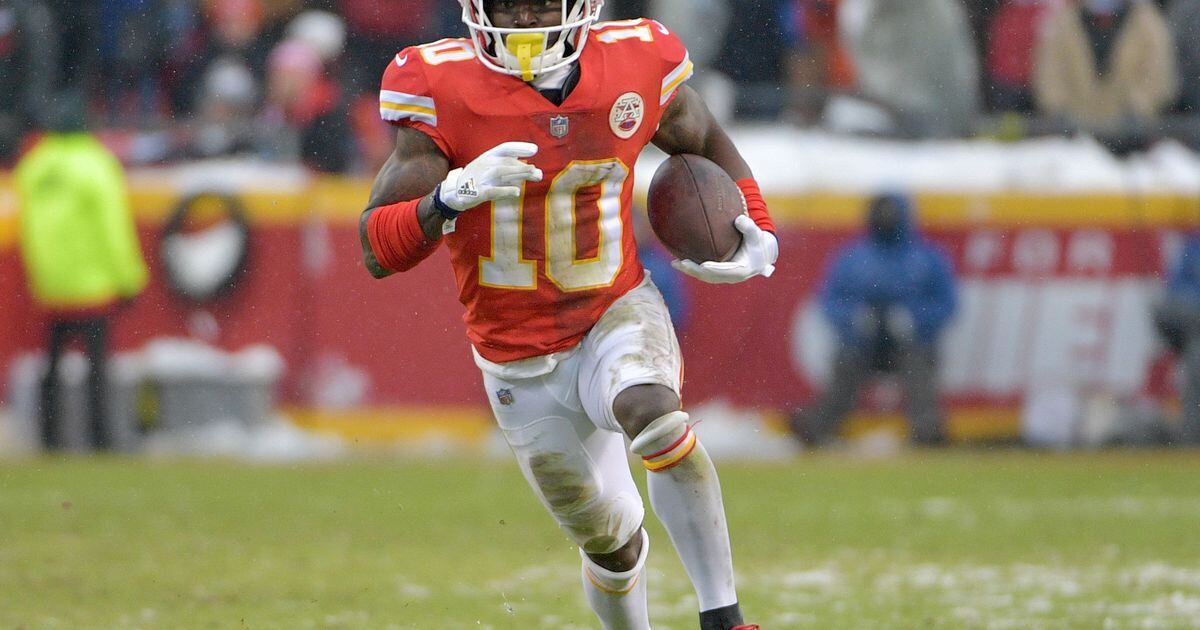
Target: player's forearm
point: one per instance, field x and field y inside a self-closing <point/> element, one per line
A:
<point x="429" y="217"/>
<point x="400" y="228"/>
<point x="427" y="214"/>
<point x="395" y="238"/>
<point x="719" y="148"/>
<point x="370" y="261"/>
<point x="689" y="127"/>
<point x="402" y="190"/>
<point x="414" y="169"/>
<point x="431" y="221"/>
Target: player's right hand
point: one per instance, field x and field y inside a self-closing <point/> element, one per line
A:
<point x="497" y="174"/>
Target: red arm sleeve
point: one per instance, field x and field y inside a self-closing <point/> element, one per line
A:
<point x="396" y="236"/>
<point x="756" y="206"/>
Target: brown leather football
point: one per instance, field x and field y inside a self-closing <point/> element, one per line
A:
<point x="692" y="205"/>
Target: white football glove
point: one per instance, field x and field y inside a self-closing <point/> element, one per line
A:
<point x="497" y="174"/>
<point x="756" y="256"/>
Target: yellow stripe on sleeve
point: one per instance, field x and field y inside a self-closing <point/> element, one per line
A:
<point x="673" y="85"/>
<point x="412" y="109"/>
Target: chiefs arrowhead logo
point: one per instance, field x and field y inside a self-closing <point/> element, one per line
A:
<point x="627" y="114"/>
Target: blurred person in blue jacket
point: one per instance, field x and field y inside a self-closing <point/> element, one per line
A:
<point x="1178" y="320"/>
<point x="889" y="295"/>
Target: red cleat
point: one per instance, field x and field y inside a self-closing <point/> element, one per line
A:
<point x="749" y="626"/>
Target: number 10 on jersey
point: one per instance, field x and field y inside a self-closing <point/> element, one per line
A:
<point x="508" y="268"/>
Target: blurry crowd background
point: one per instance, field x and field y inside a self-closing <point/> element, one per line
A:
<point x="296" y="80"/>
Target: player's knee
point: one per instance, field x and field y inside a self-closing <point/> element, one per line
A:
<point x="666" y="442"/>
<point x="600" y="518"/>
<point x="625" y="558"/>
<point x="604" y="526"/>
<point x="638" y="406"/>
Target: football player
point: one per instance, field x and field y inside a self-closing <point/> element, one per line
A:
<point x="515" y="148"/>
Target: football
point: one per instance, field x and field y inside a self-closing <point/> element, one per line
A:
<point x="692" y="205"/>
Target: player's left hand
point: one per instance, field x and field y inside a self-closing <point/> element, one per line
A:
<point x="495" y="175"/>
<point x="756" y="256"/>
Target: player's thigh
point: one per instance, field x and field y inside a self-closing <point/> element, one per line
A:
<point x="634" y="343"/>
<point x="579" y="472"/>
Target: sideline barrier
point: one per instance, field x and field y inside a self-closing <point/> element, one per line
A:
<point x="1055" y="292"/>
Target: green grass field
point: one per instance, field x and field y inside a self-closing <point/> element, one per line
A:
<point x="958" y="540"/>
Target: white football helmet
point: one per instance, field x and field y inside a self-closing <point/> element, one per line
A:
<point x="530" y="52"/>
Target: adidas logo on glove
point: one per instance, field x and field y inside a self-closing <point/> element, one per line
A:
<point x="468" y="189"/>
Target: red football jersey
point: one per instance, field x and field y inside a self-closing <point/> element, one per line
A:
<point x="535" y="274"/>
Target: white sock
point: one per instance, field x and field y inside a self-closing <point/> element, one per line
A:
<point x="618" y="599"/>
<point x="686" y="496"/>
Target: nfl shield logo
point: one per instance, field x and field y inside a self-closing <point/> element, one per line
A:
<point x="559" y="126"/>
<point x="505" y="396"/>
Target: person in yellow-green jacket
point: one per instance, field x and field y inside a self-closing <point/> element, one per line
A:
<point x="80" y="252"/>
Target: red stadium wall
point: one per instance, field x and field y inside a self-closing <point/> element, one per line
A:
<point x="1080" y="272"/>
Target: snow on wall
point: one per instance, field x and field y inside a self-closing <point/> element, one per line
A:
<point x="788" y="161"/>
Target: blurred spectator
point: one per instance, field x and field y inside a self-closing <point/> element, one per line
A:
<point x="230" y="31"/>
<point x="1178" y="319"/>
<point x="306" y="111"/>
<point x="1184" y="17"/>
<point x="373" y="138"/>
<point x="28" y="72"/>
<point x="375" y="32"/>
<point x="889" y="296"/>
<point x="917" y="59"/>
<point x="378" y="29"/>
<point x="625" y="9"/>
<point x="187" y="31"/>
<point x="1012" y="39"/>
<point x="323" y="31"/>
<point x="47" y="48"/>
<point x="80" y="253"/>
<point x="820" y="63"/>
<point x="980" y="15"/>
<point x="754" y="53"/>
<point x="701" y="25"/>
<point x="447" y="20"/>
<point x="78" y="57"/>
<point x="228" y="100"/>
<point x="135" y="41"/>
<point x="1106" y="64"/>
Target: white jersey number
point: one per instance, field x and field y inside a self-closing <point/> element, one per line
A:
<point x="632" y="29"/>
<point x="507" y="268"/>
<point x="445" y="51"/>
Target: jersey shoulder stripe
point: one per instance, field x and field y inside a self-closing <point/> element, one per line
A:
<point x="405" y="94"/>
<point x="675" y="78"/>
<point x="395" y="106"/>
